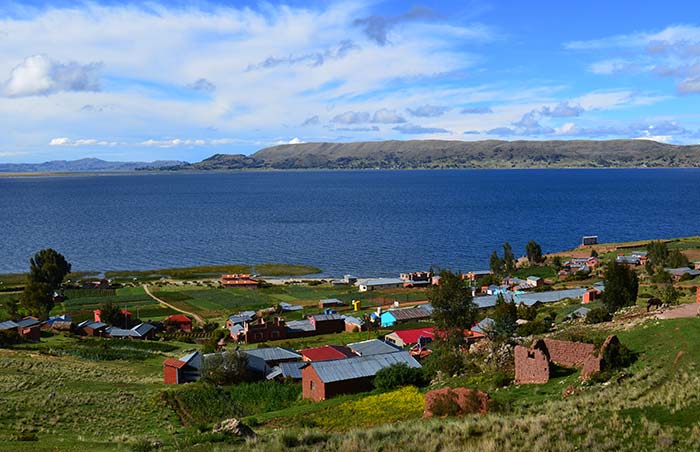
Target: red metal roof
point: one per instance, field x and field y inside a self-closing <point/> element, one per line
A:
<point x="326" y="353"/>
<point x="178" y="318"/>
<point x="176" y="363"/>
<point x="411" y="336"/>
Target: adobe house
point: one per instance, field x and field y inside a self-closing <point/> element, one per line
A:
<point x="178" y="322"/>
<point x="327" y="323"/>
<point x="29" y="328"/>
<point x="533" y="365"/>
<point x="264" y="331"/>
<point x="239" y="280"/>
<point x="183" y="370"/>
<point x="322" y="380"/>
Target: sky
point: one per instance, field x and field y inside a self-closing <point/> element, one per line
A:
<point x="183" y="80"/>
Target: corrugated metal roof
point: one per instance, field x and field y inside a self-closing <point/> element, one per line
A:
<point x="382" y="281"/>
<point x="290" y="307"/>
<point x="27" y="322"/>
<point x="373" y="347"/>
<point x="548" y="297"/>
<point x="143" y="329"/>
<point x="408" y="313"/>
<point x="427" y="308"/>
<point x="360" y="367"/>
<point x="8" y="325"/>
<point x="119" y="332"/>
<point x="353" y="320"/>
<point x="242" y="317"/>
<point x="287" y="370"/>
<point x="273" y="353"/>
<point x="332" y="301"/>
<point x="485" y="326"/>
<point x="326" y="353"/>
<point x="300" y="325"/>
<point x="326" y="317"/>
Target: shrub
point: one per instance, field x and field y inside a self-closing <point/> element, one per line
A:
<point x="526" y="312"/>
<point x="399" y="375"/>
<point x="617" y="356"/>
<point x="225" y="368"/>
<point x="598" y="315"/>
<point x="538" y="326"/>
<point x="443" y="405"/>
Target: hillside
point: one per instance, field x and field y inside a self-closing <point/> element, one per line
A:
<point x="83" y="165"/>
<point x="460" y="154"/>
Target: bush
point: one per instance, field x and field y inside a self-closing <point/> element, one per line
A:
<point x="444" y="405"/>
<point x="598" y="315"/>
<point x="399" y="375"/>
<point x="446" y="360"/>
<point x="526" y="312"/>
<point x="225" y="368"/>
<point x="617" y="356"/>
<point x="538" y="326"/>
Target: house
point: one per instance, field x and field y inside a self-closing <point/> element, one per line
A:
<point x="416" y="279"/>
<point x="141" y="331"/>
<point x="354" y="324"/>
<point x="300" y="328"/>
<point x="327" y="323"/>
<point x="535" y="281"/>
<point x="97" y="315"/>
<point x="263" y="360"/>
<point x="90" y="328"/>
<point x="631" y="261"/>
<point x="183" y="370"/>
<point x="286" y="307"/>
<point x="373" y="347"/>
<point x="590" y="295"/>
<point x="346" y="281"/>
<point x="262" y="331"/>
<point x="240" y="318"/>
<point x="239" y="280"/>
<point x="405" y="338"/>
<point x="178" y="322"/>
<point x="29" y="328"/>
<point x="485" y="326"/>
<point x="476" y="275"/>
<point x="393" y="316"/>
<point x="325" y="353"/>
<point x="578" y="314"/>
<point x="330" y="303"/>
<point x="286" y="371"/>
<point x="324" y="379"/>
<point x="678" y="273"/>
<point x="379" y="284"/>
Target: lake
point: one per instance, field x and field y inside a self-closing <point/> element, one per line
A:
<point x="361" y="222"/>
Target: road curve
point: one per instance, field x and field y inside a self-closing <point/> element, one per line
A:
<point x="199" y="320"/>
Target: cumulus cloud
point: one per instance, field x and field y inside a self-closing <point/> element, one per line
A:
<point x="385" y="116"/>
<point x="312" y="121"/>
<point x="351" y="117"/>
<point x="40" y="75"/>
<point x="412" y="129"/>
<point x="475" y="110"/>
<point x="562" y="110"/>
<point x="357" y="129"/>
<point x="202" y="84"/>
<point x="313" y="59"/>
<point x="428" y="111"/>
<point x="377" y="28"/>
<point x="63" y="141"/>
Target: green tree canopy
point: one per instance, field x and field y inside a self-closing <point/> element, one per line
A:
<point x="505" y="315"/>
<point x="657" y="252"/>
<point x="621" y="286"/>
<point x="225" y="368"/>
<point x="496" y="264"/>
<point x="37" y="299"/>
<point x="50" y="267"/>
<point x="508" y="258"/>
<point x="533" y="251"/>
<point x="453" y="309"/>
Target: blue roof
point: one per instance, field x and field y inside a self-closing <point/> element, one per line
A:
<point x="290" y="307"/>
<point x="241" y="317"/>
<point x="143" y="329"/>
<point x="287" y="370"/>
<point x="485" y="326"/>
<point x="8" y="325"/>
<point x="27" y="322"/>
<point x="373" y="347"/>
<point x="360" y="367"/>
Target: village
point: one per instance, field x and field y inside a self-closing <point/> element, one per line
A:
<point x="360" y="332"/>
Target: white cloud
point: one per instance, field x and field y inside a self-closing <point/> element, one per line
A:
<point x="63" y="141"/>
<point x="40" y="75"/>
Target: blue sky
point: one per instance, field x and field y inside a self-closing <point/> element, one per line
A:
<point x="183" y="80"/>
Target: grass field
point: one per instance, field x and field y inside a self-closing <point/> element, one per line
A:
<point x="211" y="272"/>
<point x="133" y="299"/>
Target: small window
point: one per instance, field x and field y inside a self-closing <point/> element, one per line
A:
<point x="311" y="385"/>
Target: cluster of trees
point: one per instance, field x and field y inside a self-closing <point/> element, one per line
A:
<point x="507" y="264"/>
<point x="621" y="286"/>
<point x="47" y="269"/>
<point x="660" y="257"/>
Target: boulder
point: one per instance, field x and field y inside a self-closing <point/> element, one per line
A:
<point x="455" y="402"/>
<point x="234" y="427"/>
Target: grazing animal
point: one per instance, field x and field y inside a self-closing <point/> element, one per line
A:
<point x="655" y="302"/>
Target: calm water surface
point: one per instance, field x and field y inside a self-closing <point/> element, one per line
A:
<point x="360" y="222"/>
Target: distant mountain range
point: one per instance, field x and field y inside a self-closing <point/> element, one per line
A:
<point x="457" y="154"/>
<point x="86" y="165"/>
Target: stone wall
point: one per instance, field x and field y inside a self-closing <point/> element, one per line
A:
<point x="531" y="365"/>
<point x="567" y="353"/>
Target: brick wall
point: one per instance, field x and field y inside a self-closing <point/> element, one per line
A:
<point x="568" y="354"/>
<point x="531" y="365"/>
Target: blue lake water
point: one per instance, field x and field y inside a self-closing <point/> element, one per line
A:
<point x="360" y="222"/>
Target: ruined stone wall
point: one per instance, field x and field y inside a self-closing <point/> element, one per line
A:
<point x="569" y="354"/>
<point x="531" y="366"/>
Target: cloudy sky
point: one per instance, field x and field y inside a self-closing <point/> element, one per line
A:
<point x="147" y="80"/>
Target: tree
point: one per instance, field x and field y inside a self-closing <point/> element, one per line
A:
<point x="594" y="253"/>
<point x="496" y="264"/>
<point x="109" y="313"/>
<point x="621" y="286"/>
<point x="556" y="263"/>
<point x="225" y="368"/>
<point x="37" y="299"/>
<point x="669" y="294"/>
<point x="505" y="315"/>
<point x="50" y="267"/>
<point x="398" y="375"/>
<point x="534" y="252"/>
<point x="453" y="309"/>
<point x="508" y="258"/>
<point x="657" y="253"/>
<point x="676" y="259"/>
<point x="46" y="272"/>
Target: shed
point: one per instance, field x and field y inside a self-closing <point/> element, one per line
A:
<point x="380" y="283"/>
<point x="183" y="370"/>
<point x="284" y="371"/>
<point x="262" y="360"/>
<point x="324" y="379"/>
<point x="393" y="316"/>
<point x="326" y="353"/>
<point x="329" y="303"/>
